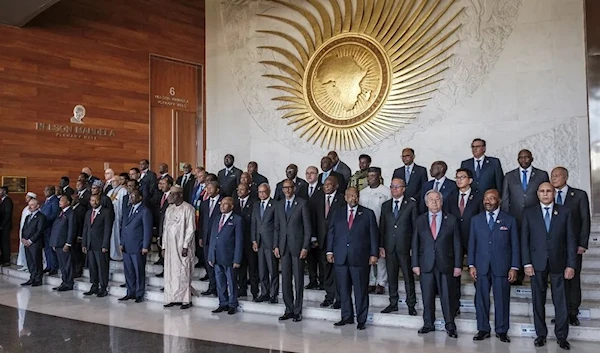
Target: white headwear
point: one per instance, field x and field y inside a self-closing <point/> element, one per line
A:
<point x="32" y="195"/>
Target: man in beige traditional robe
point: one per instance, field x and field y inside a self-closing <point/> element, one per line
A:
<point x="179" y="250"/>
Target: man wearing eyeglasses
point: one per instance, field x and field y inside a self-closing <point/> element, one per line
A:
<point x="487" y="171"/>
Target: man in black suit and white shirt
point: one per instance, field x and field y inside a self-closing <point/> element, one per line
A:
<point x="339" y="166"/>
<point x="210" y="212"/>
<point x="243" y="206"/>
<point x="415" y="176"/>
<point x="186" y="181"/>
<point x="301" y="186"/>
<point x="229" y="177"/>
<point x="327" y="168"/>
<point x="148" y="180"/>
<point x="65" y="188"/>
<point x="32" y="238"/>
<point x="486" y="170"/>
<point x="258" y="178"/>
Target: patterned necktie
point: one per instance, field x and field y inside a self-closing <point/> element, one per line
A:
<point x="221" y="222"/>
<point x="478" y="169"/>
<point x="396" y="209"/>
<point x="351" y="219"/>
<point x="491" y="221"/>
<point x="433" y="226"/>
<point x="461" y="205"/>
<point x="407" y="174"/>
<point x="547" y="218"/>
<point x="212" y="207"/>
<point x="559" y="199"/>
<point x="436" y="187"/>
<point x="524" y="180"/>
<point x="327" y="205"/>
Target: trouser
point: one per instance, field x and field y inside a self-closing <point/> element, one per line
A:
<point x="315" y="267"/>
<point x="501" y="289"/>
<point x="357" y="278"/>
<point x="5" y="245"/>
<point x="539" y="287"/>
<point x="227" y="286"/>
<point x="51" y="260"/>
<point x="66" y="266"/>
<point x="574" y="289"/>
<point x="268" y="271"/>
<point x="78" y="259"/>
<point x="248" y="271"/>
<point x="33" y="254"/>
<point x="443" y="284"/>
<point x="98" y="262"/>
<point x="378" y="274"/>
<point x="210" y="271"/>
<point x="394" y="263"/>
<point x="134" y="265"/>
<point x="292" y="268"/>
<point x="331" y="289"/>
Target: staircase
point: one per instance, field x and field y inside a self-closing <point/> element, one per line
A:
<point x="521" y="320"/>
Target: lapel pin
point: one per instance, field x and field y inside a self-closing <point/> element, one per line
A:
<point x="358" y="213"/>
<point x="498" y="221"/>
<point x="471" y="197"/>
<point x="555" y="213"/>
<point x="487" y="160"/>
<point x="572" y="193"/>
<point x="269" y="205"/>
<point x="445" y="217"/>
<point x="295" y="203"/>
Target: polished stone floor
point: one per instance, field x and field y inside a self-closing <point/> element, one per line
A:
<point x="39" y="320"/>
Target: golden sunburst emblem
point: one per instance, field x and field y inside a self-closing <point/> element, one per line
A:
<point x="360" y="74"/>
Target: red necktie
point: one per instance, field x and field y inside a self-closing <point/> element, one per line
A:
<point x="351" y="218"/>
<point x="162" y="201"/>
<point x="93" y="216"/>
<point x="221" y="222"/>
<point x="461" y="205"/>
<point x="433" y="226"/>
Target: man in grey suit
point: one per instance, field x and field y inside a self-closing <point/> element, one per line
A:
<point x="262" y="236"/>
<point x="339" y="166"/>
<point x="292" y="241"/>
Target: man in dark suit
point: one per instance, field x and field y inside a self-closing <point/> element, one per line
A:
<point x="439" y="183"/>
<point x="339" y="166"/>
<point x="312" y="179"/>
<point x="438" y="260"/>
<point x="210" y="212"/>
<point x="353" y="246"/>
<point x="415" y="176"/>
<point x="64" y="185"/>
<point x="83" y="193"/>
<point x="494" y="259"/>
<point x="186" y="181"/>
<point x="62" y="237"/>
<point x="487" y="170"/>
<point x="323" y="206"/>
<point x="243" y="207"/>
<point x="225" y="255"/>
<point x="549" y="249"/>
<point x="256" y="177"/>
<point x="79" y="211"/>
<point x="50" y="209"/>
<point x="463" y="203"/>
<point x="96" y="244"/>
<point x="292" y="241"/>
<point x="577" y="201"/>
<point x="327" y="168"/>
<point x="6" y="209"/>
<point x="313" y="264"/>
<point x="396" y="226"/>
<point x="90" y="178"/>
<point x="301" y="186"/>
<point x="246" y="179"/>
<point x="147" y="179"/>
<point x="229" y="177"/>
<point x="32" y="238"/>
<point x="136" y="235"/>
<point x="519" y="190"/>
<point x="263" y="239"/>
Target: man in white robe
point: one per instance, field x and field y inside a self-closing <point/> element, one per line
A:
<point x="21" y="260"/>
<point x="116" y="195"/>
<point x="179" y="250"/>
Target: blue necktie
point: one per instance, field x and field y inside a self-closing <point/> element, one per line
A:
<point x="559" y="199"/>
<point x="491" y="221"/>
<point x="547" y="218"/>
<point x="262" y="209"/>
<point x="524" y="180"/>
<point x="396" y="210"/>
<point x="436" y="187"/>
<point x="288" y="207"/>
<point x="407" y="174"/>
<point x="478" y="169"/>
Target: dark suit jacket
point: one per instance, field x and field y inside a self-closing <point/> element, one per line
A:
<point x="206" y="220"/>
<point x="246" y="215"/>
<point x="158" y="212"/>
<point x="63" y="230"/>
<point x="499" y="249"/>
<point x="320" y="223"/>
<point x="148" y="184"/>
<point x="226" y="246"/>
<point x="188" y="187"/>
<point x="418" y="178"/>
<point x="229" y="183"/>
<point x="396" y="234"/>
<point x="136" y="231"/>
<point x="263" y="229"/>
<point x="353" y="247"/>
<point x="292" y="232"/>
<point x="36" y="228"/>
<point x="577" y="201"/>
<point x="342" y="168"/>
<point x="259" y="178"/>
<point x="474" y="206"/>
<point x="50" y="209"/>
<point x="491" y="174"/>
<point x="97" y="235"/>
<point x="79" y="212"/>
<point x="301" y="189"/>
<point x="446" y="189"/>
<point x="445" y="252"/>
<point x="342" y="183"/>
<point x="6" y="210"/>
<point x="68" y="191"/>
<point x="558" y="248"/>
<point x="84" y="199"/>
<point x="514" y="199"/>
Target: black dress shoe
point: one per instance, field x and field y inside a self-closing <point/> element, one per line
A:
<point x="389" y="309"/>
<point x="28" y="283"/>
<point x="124" y="285"/>
<point x="56" y="288"/>
<point x="162" y="289"/>
<point x="412" y="311"/>
<point x="186" y="306"/>
<point x="64" y="289"/>
<point x="361" y="326"/>
<point x="231" y="311"/>
<point x="539" y="342"/>
<point x="127" y="297"/>
<point x="326" y="303"/>
<point x="92" y="291"/>
<point x="372" y="289"/>
<point x="36" y="284"/>
<point x="481" y="335"/>
<point x="139" y="299"/>
<point x="274" y="300"/>
<point x="160" y="275"/>
<point x="286" y="317"/>
<point x="424" y="330"/>
<point x="46" y="270"/>
<point x="553" y="321"/>
<point x="208" y="292"/>
<point x="102" y="293"/>
<point x="503" y="337"/>
<point x="204" y="279"/>
<point x="312" y="285"/>
<point x="342" y="322"/>
<point x="564" y="344"/>
<point x="574" y="321"/>
<point x="336" y="305"/>
<point x="172" y="304"/>
<point x="262" y="298"/>
<point x="452" y="333"/>
<point x="53" y="272"/>
<point x="321" y="287"/>
<point x="220" y="309"/>
<point x="297" y="318"/>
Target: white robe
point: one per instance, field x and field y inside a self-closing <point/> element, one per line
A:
<point x="178" y="234"/>
<point x="373" y="199"/>
<point x="116" y="195"/>
<point x="21" y="259"/>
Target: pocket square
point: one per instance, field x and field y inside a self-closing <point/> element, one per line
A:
<point x="504" y="228"/>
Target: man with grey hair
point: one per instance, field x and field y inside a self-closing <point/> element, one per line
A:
<point x="22" y="258"/>
<point x="438" y="260"/>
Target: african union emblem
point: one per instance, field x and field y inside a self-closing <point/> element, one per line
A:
<point x="363" y="72"/>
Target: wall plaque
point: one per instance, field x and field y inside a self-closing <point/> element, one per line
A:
<point x="15" y="184"/>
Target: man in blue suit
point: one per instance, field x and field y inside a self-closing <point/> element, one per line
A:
<point x="210" y="212"/>
<point x="62" y="236"/>
<point x="439" y="183"/>
<point x="50" y="209"/>
<point x="353" y="246"/>
<point x="487" y="170"/>
<point x="225" y="255"/>
<point x="136" y="235"/>
<point x="549" y="249"/>
<point x="494" y="259"/>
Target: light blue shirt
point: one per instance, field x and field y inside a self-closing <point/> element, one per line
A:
<point x="495" y="213"/>
<point x="438" y="221"/>
<point x="482" y="159"/>
<point x="325" y="176"/>
<point x="551" y="208"/>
